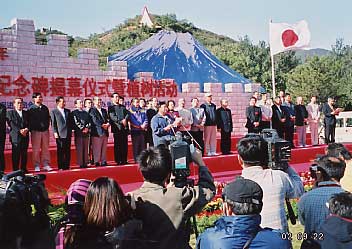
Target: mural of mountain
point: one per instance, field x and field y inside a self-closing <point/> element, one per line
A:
<point x="179" y="56"/>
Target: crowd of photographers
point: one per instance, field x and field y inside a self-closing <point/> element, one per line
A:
<point x="158" y="214"/>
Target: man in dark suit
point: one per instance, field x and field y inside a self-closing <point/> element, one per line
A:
<point x="2" y="136"/>
<point x="254" y="116"/>
<point x="151" y="112"/>
<point x="81" y="126"/>
<point x="289" y="129"/>
<point x="119" y="116"/>
<point x="279" y="117"/>
<point x="61" y="121"/>
<point x="17" y="120"/>
<point x="224" y="123"/>
<point x="330" y="113"/>
<point x="99" y="132"/>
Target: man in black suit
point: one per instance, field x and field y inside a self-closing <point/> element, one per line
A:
<point x="151" y="112"/>
<point x="330" y="113"/>
<point x="119" y="115"/>
<point x="2" y="136"/>
<point x="279" y="117"/>
<point x="254" y="116"/>
<point x="224" y="123"/>
<point x="17" y="120"/>
<point x="289" y="129"/>
<point x="61" y="121"/>
<point x="81" y="126"/>
<point x="99" y="132"/>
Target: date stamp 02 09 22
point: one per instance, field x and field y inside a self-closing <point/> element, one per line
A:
<point x="302" y="236"/>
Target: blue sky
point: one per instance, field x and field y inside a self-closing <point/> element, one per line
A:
<point x="327" y="20"/>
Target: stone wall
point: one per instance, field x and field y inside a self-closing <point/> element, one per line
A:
<point x="27" y="67"/>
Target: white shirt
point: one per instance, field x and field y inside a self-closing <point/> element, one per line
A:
<point x="62" y="111"/>
<point x="99" y="110"/>
<point x="19" y="113"/>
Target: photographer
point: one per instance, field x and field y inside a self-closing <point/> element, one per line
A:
<point x="165" y="209"/>
<point x="276" y="184"/>
<point x="312" y="209"/>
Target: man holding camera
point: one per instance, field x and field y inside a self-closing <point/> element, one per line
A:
<point x="164" y="208"/>
<point x="312" y="209"/>
<point x="240" y="225"/>
<point x="276" y="184"/>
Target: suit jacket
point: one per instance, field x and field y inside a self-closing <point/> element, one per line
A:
<point x="16" y="123"/>
<point x="61" y="125"/>
<point x="224" y="119"/>
<point x="277" y="116"/>
<point x="97" y="121"/>
<point x="253" y="114"/>
<point x="301" y="114"/>
<point x="2" y="120"/>
<point x="329" y="119"/>
<point x="290" y="111"/>
<point x="81" y="120"/>
<point x="116" y="114"/>
<point x="210" y="114"/>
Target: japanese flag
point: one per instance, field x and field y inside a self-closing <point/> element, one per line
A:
<point x="284" y="36"/>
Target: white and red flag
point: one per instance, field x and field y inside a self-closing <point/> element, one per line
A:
<point x="284" y="36"/>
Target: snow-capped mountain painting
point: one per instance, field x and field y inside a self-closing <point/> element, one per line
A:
<point x="178" y="56"/>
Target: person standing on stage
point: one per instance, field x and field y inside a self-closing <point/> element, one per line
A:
<point x="224" y="124"/>
<point x="290" y="119"/>
<point x="186" y="117"/>
<point x="279" y="117"/>
<point x="99" y="132"/>
<point x="162" y="126"/>
<point x="119" y="116"/>
<point x="39" y="121"/>
<point x="301" y="121"/>
<point x="87" y="106"/>
<point x="267" y="113"/>
<point x="171" y="112"/>
<point x="2" y="136"/>
<point x="197" y="127"/>
<point x="18" y="122"/>
<point x="151" y="112"/>
<point x="254" y="116"/>
<point x="330" y="111"/>
<point x="81" y="127"/>
<point x="61" y="121"/>
<point x="313" y="119"/>
<point x="210" y="125"/>
<point x="139" y="122"/>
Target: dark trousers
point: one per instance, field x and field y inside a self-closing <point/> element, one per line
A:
<point x="2" y="149"/>
<point x="121" y="147"/>
<point x="63" y="152"/>
<point x="138" y="143"/>
<point x="225" y="143"/>
<point x="264" y="125"/>
<point x="289" y="130"/>
<point x="254" y="129"/>
<point x="198" y="136"/>
<point x="19" y="154"/>
<point x="149" y="137"/>
<point x="330" y="133"/>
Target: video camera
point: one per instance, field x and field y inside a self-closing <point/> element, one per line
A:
<point x="23" y="205"/>
<point x="181" y="159"/>
<point x="279" y="150"/>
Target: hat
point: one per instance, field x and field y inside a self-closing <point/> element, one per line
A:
<point x="244" y="191"/>
<point x="208" y="94"/>
<point x="77" y="192"/>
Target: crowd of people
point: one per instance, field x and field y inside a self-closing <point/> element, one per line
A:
<point x="158" y="214"/>
<point x="149" y="123"/>
<point x="281" y="114"/>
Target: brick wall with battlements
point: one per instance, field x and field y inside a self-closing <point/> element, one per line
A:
<point x="27" y="67"/>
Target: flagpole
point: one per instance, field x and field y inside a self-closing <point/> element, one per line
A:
<point x="273" y="75"/>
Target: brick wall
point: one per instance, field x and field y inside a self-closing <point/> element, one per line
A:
<point x="30" y="66"/>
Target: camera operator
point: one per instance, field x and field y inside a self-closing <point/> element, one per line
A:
<point x="165" y="209"/>
<point x="276" y="184"/>
<point x="312" y="209"/>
